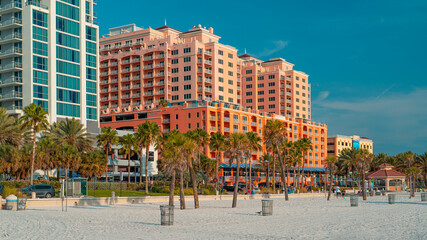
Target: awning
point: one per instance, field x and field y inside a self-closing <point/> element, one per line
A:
<point x="234" y="165"/>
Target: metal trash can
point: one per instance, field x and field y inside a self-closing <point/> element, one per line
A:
<point x="267" y="207"/>
<point x="166" y="214"/>
<point x="371" y="193"/>
<point x="383" y="193"/>
<point x="423" y="197"/>
<point x="354" y="200"/>
<point x="22" y="204"/>
<point x="11" y="202"/>
<point x="391" y="198"/>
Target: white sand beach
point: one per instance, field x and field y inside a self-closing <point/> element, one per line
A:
<point x="299" y="218"/>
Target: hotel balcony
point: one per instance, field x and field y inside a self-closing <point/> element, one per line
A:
<point x="11" y="67"/>
<point x="14" y="6"/>
<point x="10" y="96"/>
<point x="10" y="38"/>
<point x="11" y="81"/>
<point x="11" y="23"/>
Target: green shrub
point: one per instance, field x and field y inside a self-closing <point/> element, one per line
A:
<point x="316" y="189"/>
<point x="302" y="190"/>
<point x="265" y="190"/>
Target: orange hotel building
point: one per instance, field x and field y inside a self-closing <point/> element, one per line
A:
<point x="206" y="84"/>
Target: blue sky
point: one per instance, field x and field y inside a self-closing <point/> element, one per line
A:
<point x="366" y="59"/>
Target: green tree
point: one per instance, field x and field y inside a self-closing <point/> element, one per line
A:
<point x="148" y="134"/>
<point x="330" y="163"/>
<point x="106" y="140"/>
<point x="266" y="161"/>
<point x="364" y="159"/>
<point x="35" y="117"/>
<point x="253" y="145"/>
<point x="93" y="164"/>
<point x="10" y="131"/>
<point x="236" y="147"/>
<point x="274" y="138"/>
<point x="129" y="145"/>
<point x="217" y="143"/>
<point x="422" y="164"/>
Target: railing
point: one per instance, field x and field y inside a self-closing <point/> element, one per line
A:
<point x="126" y="88"/>
<point x="166" y="130"/>
<point x="113" y="72"/>
<point x="245" y="122"/>
<point x="114" y="80"/>
<point x="148" y="93"/>
<point x="12" y="80"/>
<point x="104" y="65"/>
<point x="13" y="94"/>
<point x="105" y="90"/>
<point x="114" y="98"/>
<point x="136" y="86"/>
<point x="14" y="4"/>
<point x="160" y="83"/>
<point x="104" y="82"/>
<point x="114" y="63"/>
<point x="226" y="119"/>
<point x="208" y="80"/>
<point x="148" y="75"/>
<point x="37" y="4"/>
<point x="126" y="96"/>
<point x="166" y="120"/>
<point x="11" y="66"/>
<point x="208" y="53"/>
<point x="125" y="79"/>
<point x="253" y="124"/>
<point x="212" y="128"/>
<point x="148" y="85"/>
<point x="11" y="21"/>
<point x="160" y="92"/>
<point x="208" y="89"/>
<point x="148" y="58"/>
<point x="208" y="71"/>
<point x="148" y="66"/>
<point x="136" y="60"/>
<point x="226" y="129"/>
<point x="136" y="68"/>
<point x="125" y="70"/>
<point x="114" y="89"/>
<point x="136" y="77"/>
<point x="104" y="99"/>
<point x="126" y="61"/>
<point x="160" y="56"/>
<point x="160" y="74"/>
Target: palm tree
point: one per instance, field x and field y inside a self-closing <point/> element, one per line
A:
<point x="236" y="147"/>
<point x="163" y="103"/>
<point x="36" y="118"/>
<point x="93" y="164"/>
<point x="72" y="132"/>
<point x="46" y="153"/>
<point x="8" y="160"/>
<point x="129" y="147"/>
<point x="413" y="173"/>
<point x="148" y="134"/>
<point x="409" y="162"/>
<point x="274" y="138"/>
<point x="10" y="131"/>
<point x="217" y="143"/>
<point x="347" y="162"/>
<point x="330" y="162"/>
<point x="253" y="145"/>
<point x="304" y="146"/>
<point x="71" y="158"/>
<point x="422" y="164"/>
<point x="106" y="140"/>
<point x="266" y="161"/>
<point x="364" y="158"/>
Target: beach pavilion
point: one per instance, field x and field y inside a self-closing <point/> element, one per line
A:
<point x="387" y="178"/>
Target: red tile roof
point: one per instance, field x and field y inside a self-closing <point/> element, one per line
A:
<point x="385" y="173"/>
<point x="385" y="165"/>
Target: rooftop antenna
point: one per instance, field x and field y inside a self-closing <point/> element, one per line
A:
<point x="245" y="50"/>
<point x="165" y="22"/>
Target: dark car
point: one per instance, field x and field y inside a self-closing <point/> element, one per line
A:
<point x="1" y="189"/>
<point x="231" y="188"/>
<point x="41" y="190"/>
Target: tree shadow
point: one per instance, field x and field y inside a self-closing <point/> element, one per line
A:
<point x="409" y="203"/>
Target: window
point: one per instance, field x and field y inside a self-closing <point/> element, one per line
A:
<point x="271" y="106"/>
<point x="230" y="73"/>
<point x="71" y="27"/>
<point x="187" y="87"/>
<point x="187" y="50"/>
<point x="221" y="97"/>
<point x="187" y="59"/>
<point x="261" y="78"/>
<point x="187" y="68"/>
<point x="248" y="86"/>
<point x="189" y="126"/>
<point x="175" y="79"/>
<point x="174" y="70"/>
<point x="260" y="99"/>
<point x="187" y="96"/>
<point x="187" y="78"/>
<point x="271" y="84"/>
<point x="43" y="104"/>
<point x="303" y="94"/>
<point x="68" y="110"/>
<point x="248" y="93"/>
<point x="69" y="55"/>
<point x="174" y="61"/>
<point x="174" y="52"/>
<point x="230" y="82"/>
<point x="271" y="99"/>
<point x="271" y="91"/>
<point x="220" y="52"/>
<point x="260" y="92"/>
<point x="91" y="60"/>
<point x="68" y="96"/>
<point x="220" y="70"/>
<point x="248" y="71"/>
<point x="39" y="18"/>
<point x="230" y="100"/>
<point x="91" y="100"/>
<point x="260" y="107"/>
<point x="67" y="11"/>
<point x="297" y="85"/>
<point x="73" y="2"/>
<point x="40" y="77"/>
<point x="40" y="34"/>
<point x="39" y="48"/>
<point x="297" y="92"/>
<point x="220" y="61"/>
<point x="230" y="64"/>
<point x="271" y="76"/>
<point x="67" y="40"/>
<point x="261" y="85"/>
<point x="91" y="47"/>
<point x="73" y="83"/>
<point x="297" y="78"/>
<point x="220" y="79"/>
<point x="175" y="97"/>
<point x="176" y="117"/>
<point x="221" y="89"/>
<point x="90" y="33"/>
<point x="303" y="80"/>
<point x="248" y="100"/>
<point x="91" y="113"/>
<point x="91" y="73"/>
<point x="40" y="63"/>
<point x="175" y="89"/>
<point x="40" y="92"/>
<point x="230" y="55"/>
<point x="230" y="91"/>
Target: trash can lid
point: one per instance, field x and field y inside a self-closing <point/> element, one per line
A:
<point x="11" y="197"/>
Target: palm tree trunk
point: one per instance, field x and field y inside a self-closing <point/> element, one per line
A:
<point x="236" y="183"/>
<point x="295" y="178"/>
<point x="363" y="184"/>
<point x="250" y="175"/>
<point x="172" y="189"/>
<point x="33" y="156"/>
<point x="181" y="190"/>
<point x="216" y="172"/>
<point x="274" y="173"/>
<point x="194" y="183"/>
<point x="302" y="172"/>
<point x="128" y="168"/>
<point x="106" y="169"/>
<point x="284" y="177"/>
<point x="267" y="182"/>
<point x="330" y="184"/>
<point x="147" y="151"/>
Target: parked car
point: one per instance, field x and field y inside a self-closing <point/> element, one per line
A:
<point x="41" y="190"/>
<point x="1" y="189"/>
<point x="231" y="188"/>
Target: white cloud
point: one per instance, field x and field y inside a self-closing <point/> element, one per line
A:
<point x="322" y="96"/>
<point x="277" y="46"/>
<point x="397" y="122"/>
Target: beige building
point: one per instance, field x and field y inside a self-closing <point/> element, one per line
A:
<point x="336" y="144"/>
